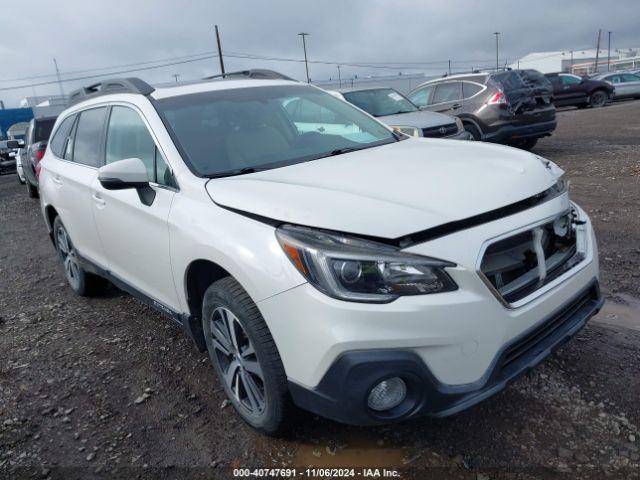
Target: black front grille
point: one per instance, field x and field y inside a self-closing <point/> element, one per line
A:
<point x="561" y="321"/>
<point x="519" y="265"/>
<point x="441" y="131"/>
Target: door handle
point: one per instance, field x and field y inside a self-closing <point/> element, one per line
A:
<point x="456" y="105"/>
<point x="98" y="200"/>
<point x="56" y="180"/>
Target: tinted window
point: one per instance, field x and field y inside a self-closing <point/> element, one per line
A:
<point x="470" y="89"/>
<point x="447" y="92"/>
<point x="380" y="102"/>
<point x="265" y="127"/>
<point x="43" y="129"/>
<point x="59" y="139"/>
<point x="627" y="77"/>
<point x="86" y="148"/>
<point x="422" y="97"/>
<point x="128" y="137"/>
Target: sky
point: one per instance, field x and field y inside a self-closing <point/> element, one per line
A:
<point x="369" y="37"/>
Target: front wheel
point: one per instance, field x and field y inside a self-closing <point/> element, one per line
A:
<point x="245" y="356"/>
<point x="474" y="131"/>
<point x="81" y="282"/>
<point x="598" y="99"/>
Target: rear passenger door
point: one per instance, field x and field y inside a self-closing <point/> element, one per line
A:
<point x="447" y="98"/>
<point x="136" y="236"/>
<point x="572" y="89"/>
<point x="77" y="149"/>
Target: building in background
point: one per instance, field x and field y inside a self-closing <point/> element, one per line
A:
<point x="580" y="62"/>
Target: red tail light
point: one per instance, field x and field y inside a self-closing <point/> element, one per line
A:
<point x="40" y="152"/>
<point x="498" y="98"/>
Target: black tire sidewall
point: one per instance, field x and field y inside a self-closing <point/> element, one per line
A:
<point x="82" y="276"/>
<point x="599" y="94"/>
<point x="229" y="294"/>
<point x="474" y="131"/>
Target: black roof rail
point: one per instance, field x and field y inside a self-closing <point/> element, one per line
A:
<point x="116" y="85"/>
<point x="256" y="73"/>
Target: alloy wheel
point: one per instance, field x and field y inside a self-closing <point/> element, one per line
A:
<point x="238" y="361"/>
<point x="69" y="258"/>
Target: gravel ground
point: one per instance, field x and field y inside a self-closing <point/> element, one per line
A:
<point x="107" y="388"/>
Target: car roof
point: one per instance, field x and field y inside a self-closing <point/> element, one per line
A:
<point x="215" y="85"/>
<point x="457" y="76"/>
<point x="363" y="89"/>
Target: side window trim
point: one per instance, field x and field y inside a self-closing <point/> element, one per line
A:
<point x="158" y="150"/>
<point x="444" y="83"/>
<point x="482" y="89"/>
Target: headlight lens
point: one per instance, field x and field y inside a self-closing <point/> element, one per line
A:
<point x="349" y="268"/>
<point x="411" y="131"/>
<point x="459" y="124"/>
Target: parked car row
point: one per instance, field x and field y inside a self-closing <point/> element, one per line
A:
<point x="321" y="258"/>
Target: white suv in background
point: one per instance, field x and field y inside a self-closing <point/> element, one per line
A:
<point x="356" y="272"/>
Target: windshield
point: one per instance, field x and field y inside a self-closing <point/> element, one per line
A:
<point x="242" y="130"/>
<point x="380" y="102"/>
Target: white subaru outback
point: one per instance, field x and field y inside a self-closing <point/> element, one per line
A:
<point x="320" y="258"/>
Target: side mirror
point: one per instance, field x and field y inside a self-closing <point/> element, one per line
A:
<point x="13" y="144"/>
<point x="126" y="174"/>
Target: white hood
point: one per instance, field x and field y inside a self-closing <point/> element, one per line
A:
<point x="389" y="191"/>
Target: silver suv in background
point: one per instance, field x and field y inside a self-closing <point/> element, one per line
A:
<point x="513" y="107"/>
<point x="394" y="109"/>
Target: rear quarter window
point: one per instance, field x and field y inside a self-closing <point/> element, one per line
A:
<point x="61" y="135"/>
<point x="87" y="145"/>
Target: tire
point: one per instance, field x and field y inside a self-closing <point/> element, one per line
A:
<point x="474" y="131"/>
<point x="525" y="143"/>
<point x="32" y="191"/>
<point x="81" y="282"/>
<point x="598" y="99"/>
<point x="247" y="361"/>
<point x="20" y="181"/>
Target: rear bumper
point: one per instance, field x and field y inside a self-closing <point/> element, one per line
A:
<point x="507" y="133"/>
<point x="342" y="393"/>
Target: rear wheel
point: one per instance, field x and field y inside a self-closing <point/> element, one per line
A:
<point x="81" y="282"/>
<point x="598" y="99"/>
<point x="473" y="130"/>
<point x="31" y="190"/>
<point x="245" y="356"/>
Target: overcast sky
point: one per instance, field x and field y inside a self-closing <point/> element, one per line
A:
<point x="88" y="35"/>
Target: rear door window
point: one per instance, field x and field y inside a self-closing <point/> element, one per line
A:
<point x="569" y="80"/>
<point x="61" y="135"/>
<point x="447" y="92"/>
<point x="88" y="137"/>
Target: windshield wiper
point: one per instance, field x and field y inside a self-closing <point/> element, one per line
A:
<point x="233" y="173"/>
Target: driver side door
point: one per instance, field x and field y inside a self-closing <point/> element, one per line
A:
<point x="135" y="236"/>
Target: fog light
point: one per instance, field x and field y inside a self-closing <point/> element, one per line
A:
<point x="387" y="394"/>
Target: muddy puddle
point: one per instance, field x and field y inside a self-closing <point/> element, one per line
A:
<point x="625" y="314"/>
<point x="356" y="453"/>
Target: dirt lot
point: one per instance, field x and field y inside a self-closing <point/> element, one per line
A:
<point x="106" y="387"/>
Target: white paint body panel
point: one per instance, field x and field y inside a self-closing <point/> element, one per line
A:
<point x="388" y="191"/>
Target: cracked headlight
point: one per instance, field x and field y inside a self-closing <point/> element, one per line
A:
<point x="357" y="270"/>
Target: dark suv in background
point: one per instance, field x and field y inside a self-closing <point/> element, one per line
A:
<point x="35" y="144"/>
<point x="514" y="107"/>
<point x="570" y="89"/>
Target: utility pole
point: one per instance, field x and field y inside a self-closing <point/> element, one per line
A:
<point x="220" y="52"/>
<point x="176" y="75"/>
<point x="59" y="79"/>
<point x="571" y="61"/>
<point x="339" y="77"/>
<point x="497" y="63"/>
<point x="598" y="49"/>
<point x="304" y="46"/>
<point x="449" y="67"/>
<point x="609" y="53"/>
